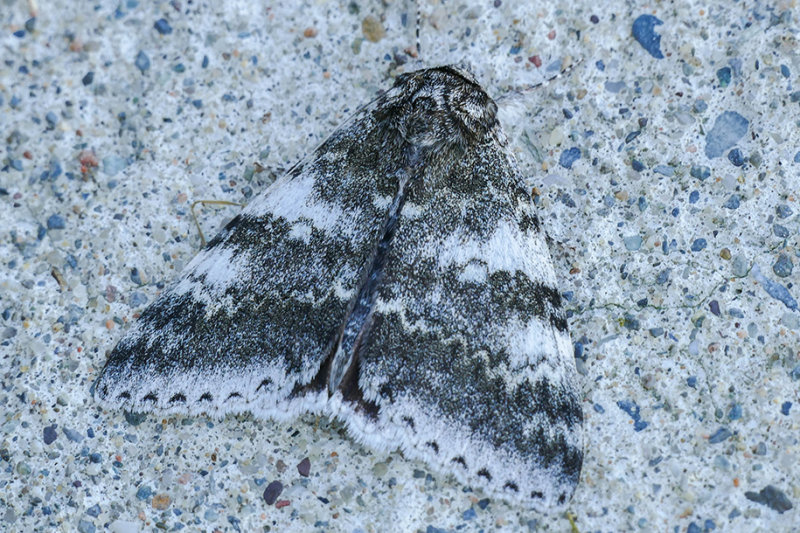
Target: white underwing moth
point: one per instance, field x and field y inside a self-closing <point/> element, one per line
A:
<point x="397" y="279"/>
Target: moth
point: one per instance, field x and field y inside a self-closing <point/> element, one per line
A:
<point x="397" y="279"/>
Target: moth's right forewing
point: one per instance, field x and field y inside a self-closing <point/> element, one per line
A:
<point x="253" y="317"/>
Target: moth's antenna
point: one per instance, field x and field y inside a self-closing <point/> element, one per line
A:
<point x="419" y="16"/>
<point x="526" y="88"/>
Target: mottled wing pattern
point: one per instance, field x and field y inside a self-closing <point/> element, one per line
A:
<point x="252" y="318"/>
<point x="396" y="279"/>
<point x="467" y="355"/>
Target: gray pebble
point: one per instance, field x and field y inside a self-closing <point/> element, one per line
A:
<point x="783" y="266"/>
<point x="740" y="266"/>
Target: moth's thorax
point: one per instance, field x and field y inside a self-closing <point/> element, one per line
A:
<point x="440" y="107"/>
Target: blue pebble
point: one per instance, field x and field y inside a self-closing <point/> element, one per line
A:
<point x="137" y="299"/>
<point x="599" y="408"/>
<point x="600" y="65"/>
<point x="643" y="32"/>
<point x="713" y="305"/>
<point x="732" y="202"/>
<point x="88" y="78"/>
<point x="693" y="528"/>
<point x="49" y="433"/>
<point x="700" y="173"/>
<point x="676" y="212"/>
<point x="51" y="118"/>
<point x="724" y="76"/>
<point x="614" y="86"/>
<point x="664" y="170"/>
<point x="95" y="458"/>
<point x="783" y="266"/>
<point x="14" y="102"/>
<point x="761" y="449"/>
<point x="642" y="203"/>
<point x="735" y="157"/>
<point x="692" y="381"/>
<point x="699" y="244"/>
<point x="736" y="412"/>
<point x="578" y="350"/>
<point x="85" y="526"/>
<point x="135" y="276"/>
<point x="632" y="135"/>
<point x="16" y="164"/>
<point x="783" y="210"/>
<point x="94" y="510"/>
<point x="163" y="27"/>
<point x="568" y="157"/>
<point x="54" y="169"/>
<point x="142" y="62"/>
<point x="780" y="231"/>
<point x="637" y="165"/>
<point x="774" y="289"/>
<point x="656" y="332"/>
<point x="663" y="276"/>
<point x="204" y="64"/>
<point x="797" y="157"/>
<point x="19" y="33"/>
<point x="722" y="434"/>
<point x="630" y="407"/>
<point x="197" y="103"/>
<point x="72" y="435"/>
<point x="694" y="196"/>
<point x="179" y="68"/>
<point x="700" y="105"/>
<point x="785" y="407"/>
<point x="469" y="514"/>
<point x="785" y="71"/>
<point x="144" y="492"/>
<point x="483" y="503"/>
<point x="56" y="221"/>
<point x="41" y="231"/>
<point x="632" y="243"/>
<point x="728" y="128"/>
<point x="709" y="525"/>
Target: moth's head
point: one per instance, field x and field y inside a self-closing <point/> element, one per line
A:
<point x="439" y="107"/>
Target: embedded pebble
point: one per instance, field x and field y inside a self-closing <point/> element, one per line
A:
<point x="568" y="157"/>
<point x="721" y="435"/>
<point x="783" y="266"/>
<point x="700" y="172"/>
<point x="633" y="242"/>
<point x="630" y="407"/>
<point x="728" y="128"/>
<point x="56" y="221"/>
<point x="142" y="62"/>
<point x="772" y="497"/>
<point x="645" y="34"/>
<point x="304" y="467"/>
<point x="272" y="492"/>
<point x="774" y="289"/>
<point x="50" y="434"/>
<point x="163" y="27"/>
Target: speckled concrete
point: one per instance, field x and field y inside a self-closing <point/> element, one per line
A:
<point x="669" y="187"/>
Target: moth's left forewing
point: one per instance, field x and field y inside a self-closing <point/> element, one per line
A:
<point x="468" y="357"/>
<point x="252" y="319"/>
